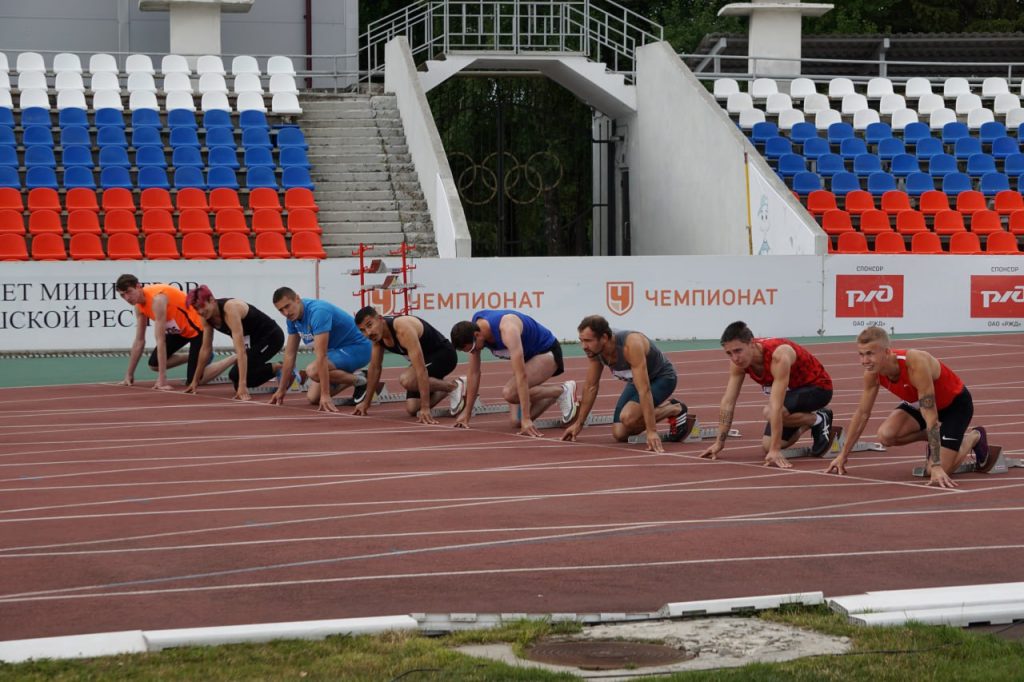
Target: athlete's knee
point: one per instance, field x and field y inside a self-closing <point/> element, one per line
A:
<point x="510" y="394"/>
<point x="620" y="432"/>
<point x="412" y="407"/>
<point x="887" y="435"/>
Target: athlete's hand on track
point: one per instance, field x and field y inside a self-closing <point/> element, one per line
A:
<point x="242" y="394"/>
<point x="654" y="442"/>
<point x="277" y="398"/>
<point x="940" y="478"/>
<point x="162" y="386"/>
<point x="570" y="433"/>
<point x="361" y="409"/>
<point x="127" y="381"/>
<point x="775" y="457"/>
<point x="711" y="452"/>
<point x="424" y="417"/>
<point x="837" y="466"/>
<point x="192" y="388"/>
<point x="526" y="428"/>
<point x="463" y="421"/>
<point x="327" y="404"/>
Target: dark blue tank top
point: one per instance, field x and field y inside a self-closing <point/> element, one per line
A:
<point x="536" y="338"/>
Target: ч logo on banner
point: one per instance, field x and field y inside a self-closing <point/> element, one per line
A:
<point x="869" y="295"/>
<point x="997" y="296"/>
<point x="619" y="297"/>
<point x="383" y="300"/>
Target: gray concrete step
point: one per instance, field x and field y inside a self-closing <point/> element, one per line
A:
<point x="389" y="215"/>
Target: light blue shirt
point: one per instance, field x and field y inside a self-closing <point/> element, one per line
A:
<point x="319" y="317"/>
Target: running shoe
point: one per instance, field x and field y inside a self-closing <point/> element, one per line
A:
<point x="457" y="398"/>
<point x="359" y="392"/>
<point x="680" y="425"/>
<point x="567" y="402"/>
<point x="984" y="459"/>
<point x="822" y="433"/>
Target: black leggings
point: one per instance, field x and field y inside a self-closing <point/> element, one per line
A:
<point x="174" y="343"/>
<point x="261" y="349"/>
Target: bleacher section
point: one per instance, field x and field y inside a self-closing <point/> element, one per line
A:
<point x="162" y="178"/>
<point x="918" y="167"/>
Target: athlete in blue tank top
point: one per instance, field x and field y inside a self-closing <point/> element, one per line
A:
<point x="536" y="356"/>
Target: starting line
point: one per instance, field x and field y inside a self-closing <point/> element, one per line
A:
<point x="269" y="387"/>
<point x="697" y="434"/>
<point x="1003" y="465"/>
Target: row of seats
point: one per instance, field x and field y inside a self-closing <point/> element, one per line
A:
<point x="156" y="177"/>
<point x="121" y="199"/>
<point x="151" y="154"/>
<point x="142" y="63"/>
<point x="156" y="220"/>
<point x="74" y="117"/>
<point x="284" y="103"/>
<point x="216" y="135"/>
<point x="962" y="243"/>
<point x="748" y="116"/>
<point x="910" y="221"/>
<point x="69" y="81"/>
<point x="875" y="89"/>
<point x="929" y="203"/>
<point x="159" y="246"/>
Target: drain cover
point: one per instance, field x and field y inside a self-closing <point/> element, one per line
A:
<point x="605" y="654"/>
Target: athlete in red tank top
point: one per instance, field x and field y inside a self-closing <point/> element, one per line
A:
<point x="947" y="387"/>
<point x="806" y="371"/>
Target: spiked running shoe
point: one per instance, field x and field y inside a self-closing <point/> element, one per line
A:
<point x="822" y="433"/>
<point x="680" y="425"/>
<point x="567" y="402"/>
<point x="457" y="398"/>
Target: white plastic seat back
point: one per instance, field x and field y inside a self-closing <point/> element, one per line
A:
<point x="5" y="99"/>
<point x="212" y="82"/>
<point x="105" y="81"/>
<point x="174" y="63"/>
<point x="32" y="80"/>
<point x="215" y="101"/>
<point x="102" y="63"/>
<point x="977" y="117"/>
<point x="180" y="100"/>
<point x="138" y="63"/>
<point x="890" y="103"/>
<point x="30" y="61"/>
<point x="789" y="118"/>
<point x="748" y="117"/>
<point x="209" y="63"/>
<point x="815" y="102"/>
<point x="879" y="87"/>
<point x="248" y="82"/>
<point x="276" y="65"/>
<point x="1014" y="118"/>
<point x="954" y="87"/>
<point x="853" y="103"/>
<point x="250" y="101"/>
<point x="967" y="102"/>
<point x="1005" y="102"/>
<point x="34" y="98"/>
<point x="762" y="87"/>
<point x="141" y="82"/>
<point x="737" y="102"/>
<point x="862" y="118"/>
<point x="71" y="99"/>
<point x="902" y="118"/>
<point x="918" y="87"/>
<point x="66" y="61"/>
<point x="244" y="64"/>
<point x="839" y="88"/>
<point x="286" y="103"/>
<point x="993" y="87"/>
<point x="929" y="102"/>
<point x="5" y="65"/>
<point x="282" y="82"/>
<point x="107" y="99"/>
<point x="68" y="80"/>
<point x="5" y="81"/>
<point x="801" y="87"/>
<point x="724" y="87"/>
<point x="940" y="117"/>
<point x="142" y="99"/>
<point x="177" y="82"/>
<point x="823" y="119"/>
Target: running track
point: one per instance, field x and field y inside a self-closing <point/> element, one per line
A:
<point x="124" y="508"/>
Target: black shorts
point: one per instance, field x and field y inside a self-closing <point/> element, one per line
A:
<point x="802" y="399"/>
<point x="439" y="364"/>
<point x="174" y="343"/>
<point x="953" y="419"/>
<point x="556" y="350"/>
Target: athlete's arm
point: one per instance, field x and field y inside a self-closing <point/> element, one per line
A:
<point x="372" y="375"/>
<point x="922" y="369"/>
<point x="782" y="362"/>
<point x="472" y="388"/>
<point x="138" y="345"/>
<point x="590" y="390"/>
<point x="160" y="333"/>
<point x="205" y="351"/>
<point x="408" y="330"/>
<point x="725" y="411"/>
<point x="858" y="421"/>
<point x="234" y="311"/>
<point x="291" y="347"/>
<point x="320" y="342"/>
<point x="634" y="350"/>
<point x="511" y="330"/>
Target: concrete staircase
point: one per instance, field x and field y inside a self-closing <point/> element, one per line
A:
<point x="366" y="186"/>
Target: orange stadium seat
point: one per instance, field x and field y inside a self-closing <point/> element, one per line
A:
<point x="157" y="220"/>
<point x="267" y="198"/>
<point x="10" y="199"/>
<point x="234" y="245"/>
<point x="194" y="220"/>
<point x="307" y="245"/>
<point x="910" y="222"/>
<point x="198" y="246"/>
<point x="965" y="243"/>
<point x="83" y="221"/>
<point x="123" y="246"/>
<point x="986" y="222"/>
<point x="874" y="221"/>
<point x="267" y="220"/>
<point x="81" y="199"/>
<point x="155" y="197"/>
<point x="48" y="246"/>
<point x="926" y="242"/>
<point x="948" y="222"/>
<point x="192" y="198"/>
<point x="12" y="247"/>
<point x="86" y="246"/>
<point x="890" y="242"/>
<point x="895" y="201"/>
<point x="1007" y="202"/>
<point x="1002" y="243"/>
<point x="1017" y="222"/>
<point x="303" y="220"/>
<point x="45" y="222"/>
<point x="230" y="220"/>
<point x="933" y="201"/>
<point x="859" y="201"/>
<point x="852" y="242"/>
<point x="43" y="199"/>
<point x="299" y="197"/>
<point x="836" y="222"/>
<point x="115" y="221"/>
<point x="11" y="222"/>
<point x="161" y="246"/>
<point x="223" y="198"/>
<point x="118" y="198"/>
<point x="271" y="245"/>
<point x="971" y="201"/>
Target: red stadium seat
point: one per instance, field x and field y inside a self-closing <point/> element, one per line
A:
<point x="11" y="222"/>
<point x="157" y="220"/>
<point x="48" y="246"/>
<point x="12" y="247"/>
<point x="948" y="222"/>
<point x="118" y="198"/>
<point x="1017" y="222"/>
<point x="933" y="201"/>
<point x="965" y="243"/>
<point x="198" y="246"/>
<point x="859" y="201"/>
<point x="874" y="221"/>
<point x="307" y="245"/>
<point x="119" y="221"/>
<point x="267" y="220"/>
<point x="123" y="246"/>
<point x="223" y="198"/>
<point x="194" y="220"/>
<point x="910" y="222"/>
<point x="852" y="242"/>
<point x="890" y="242"/>
<point x="155" y="197"/>
<point x="87" y="246"/>
<point x="81" y="199"/>
<point x="234" y="245"/>
<point x="161" y="246"/>
<point x="83" y="221"/>
<point x="192" y="198"/>
<point x="267" y="198"/>
<point x="303" y="220"/>
<point x="1002" y="243"/>
<point x="230" y="220"/>
<point x="45" y="222"/>
<point x="43" y="199"/>
<point x="971" y="201"/>
<point x="926" y="242"/>
<point x="10" y="199"/>
<point x="1007" y="202"/>
<point x="271" y="245"/>
<point x="836" y="222"/>
<point x="986" y="222"/>
<point x="299" y="197"/>
<point x="895" y="201"/>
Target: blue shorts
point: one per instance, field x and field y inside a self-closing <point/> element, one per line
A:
<point x="661" y="389"/>
<point x="350" y="358"/>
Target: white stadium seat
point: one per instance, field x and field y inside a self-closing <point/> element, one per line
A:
<point x="1005" y="102"/>
<point x="139" y="63"/>
<point x="778" y="102"/>
<point x="107" y="99"/>
<point x="212" y="82"/>
<point x="748" y="117"/>
<point x="1014" y="118"/>
<point x="68" y="80"/>
<point x="826" y="117"/>
<point x="210" y="63"/>
<point x="30" y="61"/>
<point x="801" y="87"/>
<point x="815" y="102"/>
<point x="929" y="102"/>
<point x="902" y="118"/>
<point x="34" y="98"/>
<point x="917" y="87"/>
<point x="215" y="101"/>
<point x="724" y="87"/>
<point x="286" y="103"/>
<point x="177" y="82"/>
<point x="789" y="118"/>
<point x="102" y="63"/>
<point x="863" y="118"/>
<point x="141" y="82"/>
<point x="940" y="117"/>
<point x="180" y="100"/>
<point x="105" y="81"/>
<point x="993" y="87"/>
<point x="66" y="61"/>
<point x="762" y="87"/>
<point x="890" y="103"/>
<point x="738" y="101"/>
<point x="5" y="66"/>
<point x="32" y="80"/>
<point x="244" y="64"/>
<point x="852" y="103"/>
<point x="250" y="101"/>
<point x="977" y="117"/>
<point x="276" y="65"/>
<point x="967" y="102"/>
<point x="71" y="99"/>
<point x="5" y="99"/>
<point x="282" y="82"/>
<point x="142" y="99"/>
<point x="879" y="88"/>
<point x="174" y="63"/>
<point x="954" y="87"/>
<point x="248" y="82"/>
<point x="5" y="81"/>
<point x="839" y="88"/>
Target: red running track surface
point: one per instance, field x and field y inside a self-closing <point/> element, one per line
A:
<point x="126" y="508"/>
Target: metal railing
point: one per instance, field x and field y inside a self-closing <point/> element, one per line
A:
<point x="605" y="32"/>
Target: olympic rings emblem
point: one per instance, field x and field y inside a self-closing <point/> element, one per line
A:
<point x="523" y="182"/>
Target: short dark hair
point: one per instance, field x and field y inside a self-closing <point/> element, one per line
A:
<point x="126" y="282"/>
<point x="596" y="324"/>
<point x="365" y="312"/>
<point x="737" y="331"/>
<point x="462" y="333"/>
<point x="283" y="292"/>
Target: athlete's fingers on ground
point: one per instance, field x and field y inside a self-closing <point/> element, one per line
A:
<point x="460" y="425"/>
<point x="569" y="435"/>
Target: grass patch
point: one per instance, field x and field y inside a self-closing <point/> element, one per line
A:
<point x="913" y="652"/>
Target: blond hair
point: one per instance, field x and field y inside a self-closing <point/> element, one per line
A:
<point x="874" y="335"/>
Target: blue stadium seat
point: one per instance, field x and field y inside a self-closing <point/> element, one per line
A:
<point x="1014" y="165"/>
<point x="774" y="147"/>
<point x="994" y="183"/>
<point x="260" y="176"/>
<point x="153" y="176"/>
<point x="966" y="146"/>
<point x="221" y="176"/>
<point x="255" y="137"/>
<point x="953" y="131"/>
<point x="220" y="137"/>
<point x="35" y="116"/>
<point x="291" y="136"/>
<point x="109" y="117"/>
<point x="217" y="118"/>
<point x="142" y="118"/>
<point x="916" y="131"/>
<point x="296" y="156"/>
<point x="919" y="183"/>
<point x="9" y="177"/>
<point x="789" y="164"/>
<point x="188" y="177"/>
<point x="837" y="132"/>
<point x="146" y="135"/>
<point x="830" y="164"/>
<point x="258" y="156"/>
<point x="7" y="135"/>
<point x="954" y="183"/>
<point x="6" y="117"/>
<point x="843" y="183"/>
<point x="225" y="156"/>
<point x="74" y="135"/>
<point x="9" y="156"/>
<point x="852" y="147"/>
<point x="115" y="177"/>
<point x="40" y="176"/>
<point x="880" y="183"/>
<point x="111" y="135"/>
<point x="299" y="177"/>
<point x="34" y="135"/>
<point x="889" y="148"/>
<point x="814" y="148"/>
<point x="187" y="157"/>
<point x="805" y="183"/>
<point x="72" y="116"/>
<point x="927" y="147"/>
<point x="40" y="155"/>
<point x="801" y="132"/>
<point x="184" y="137"/>
<point x="980" y="164"/>
<point x="942" y="165"/>
<point x="151" y="156"/>
<point x="876" y="132"/>
<point x="113" y="156"/>
<point x="181" y="118"/>
<point x="763" y="131"/>
<point x="251" y="118"/>
<point x="903" y="165"/>
<point x="1003" y="147"/>
<point x="991" y="131"/>
<point x="79" y="176"/>
<point x="866" y="164"/>
<point x="77" y="155"/>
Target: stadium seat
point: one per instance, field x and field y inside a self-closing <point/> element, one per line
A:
<point x="76" y="155"/>
<point x="184" y="137"/>
<point x="186" y="157"/>
<point x="991" y="131"/>
<point x="86" y="246"/>
<point x="874" y="221"/>
<point x="259" y="156"/>
<point x="157" y="220"/>
<point x="1007" y="202"/>
<point x="115" y="177"/>
<point x="829" y="164"/>
<point x="801" y="132"/>
<point x="836" y="222"/>
<point x="948" y="222"/>
<point x="109" y="83"/>
<point x="209" y="63"/>
<point x="843" y="183"/>
<point x="161" y="246"/>
<point x="83" y="221"/>
<point x="927" y="147"/>
<point x="191" y="220"/>
<point x="986" y="222"/>
<point x="970" y="201"/>
<point x="994" y="183"/>
<point x="180" y="101"/>
<point x="244" y="65"/>
<point x="40" y="176"/>
<point x="10" y="199"/>
<point x="155" y="198"/>
<point x="212" y="101"/>
<point x="267" y="220"/>
<point x="789" y="164"/>
<point x="48" y="246"/>
<point x="1003" y="147"/>
<point x="151" y="156"/>
<point x="980" y="164"/>
<point x="153" y="176"/>
<point x="295" y="176"/>
<point x="763" y="131"/>
<point x="197" y="246"/>
<point x="119" y="221"/>
<point x="72" y="116"/>
<point x="910" y="222"/>
<point x="36" y="134"/>
<point x="890" y="147"/>
<point x="926" y="242"/>
<point x="114" y="157"/>
<point x="107" y="117"/>
<point x="307" y="244"/>
<point x="1013" y="165"/>
<point x="32" y="80"/>
<point x="818" y="202"/>
<point x="234" y="245"/>
<point x="303" y="220"/>
<point x="941" y="165"/>
<point x="45" y="222"/>
<point x="123" y="246"/>
<point x="878" y="183"/>
<point x="965" y="147"/>
<point x="221" y="176"/>
<point x="954" y="183"/>
<point x="6" y="114"/>
<point x="44" y="199"/>
<point x="12" y="248"/>
<point x="9" y="157"/>
<point x="139" y="63"/>
<point x="228" y="157"/>
<point x="188" y="177"/>
<point x="181" y="118"/>
<point x="253" y="101"/>
<point x="933" y="201"/>
<point x="142" y="99"/>
<point x="7" y="136"/>
<point x="118" y="199"/>
<point x="251" y="118"/>
<point x="146" y="135"/>
<point x="278" y="64"/>
<point x="212" y="82"/>
<point x="79" y="177"/>
<point x="851" y="148"/>
<point x="217" y="118"/>
<point x="191" y="198"/>
<point x="858" y="201"/>
<point x="890" y="242"/>
<point x="965" y="243"/>
<point x="803" y="183"/>
<point x="34" y="115"/>
<point x="81" y="199"/>
<point x="1002" y="243"/>
<point x="177" y="82"/>
<point x="300" y="198"/>
<point x="111" y="136"/>
<point x="285" y="103"/>
<point x="903" y="165"/>
<point x="11" y="222"/>
<point x="263" y="198"/>
<point x="230" y="220"/>
<point x="264" y="177"/>
<point x="224" y="198"/>
<point x="220" y="137"/>
<point x="254" y="137"/>
<point x="271" y="245"/>
<point x="852" y="243"/>
<point x="40" y="155"/>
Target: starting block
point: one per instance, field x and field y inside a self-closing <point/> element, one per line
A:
<point x="837" y="446"/>
<point x="1003" y="464"/>
<point x="592" y="420"/>
<point x="478" y="408"/>
<point x="347" y="401"/>
<point x="269" y="387"/>
<point x="695" y="435"/>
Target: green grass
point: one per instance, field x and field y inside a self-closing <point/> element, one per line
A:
<point x="913" y="652"/>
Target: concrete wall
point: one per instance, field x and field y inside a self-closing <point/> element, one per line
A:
<point x="688" y="189"/>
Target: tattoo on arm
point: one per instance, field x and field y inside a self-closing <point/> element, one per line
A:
<point x="724" y="424"/>
<point x="927" y="401"/>
<point x="933" y="444"/>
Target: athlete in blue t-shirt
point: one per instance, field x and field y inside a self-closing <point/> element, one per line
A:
<point x="536" y="357"/>
<point x="340" y="348"/>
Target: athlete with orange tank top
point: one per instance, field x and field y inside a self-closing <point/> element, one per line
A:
<point x="798" y="387"/>
<point x="936" y="408"/>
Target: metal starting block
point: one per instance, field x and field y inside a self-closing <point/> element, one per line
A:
<point x="478" y="408"/>
<point x="1003" y="464"/>
<point x="694" y="436"/>
<point x="592" y="420"/>
<point x="837" y="446"/>
<point x="269" y="387"/>
<point x="347" y="401"/>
